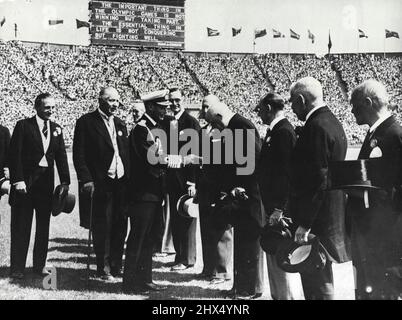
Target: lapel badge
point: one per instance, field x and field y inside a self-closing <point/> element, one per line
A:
<point x="57" y="131"/>
<point x="120" y="133"/>
<point x="373" y="143"/>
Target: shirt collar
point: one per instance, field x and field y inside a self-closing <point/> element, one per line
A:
<point x="41" y="123"/>
<point x="313" y="110"/>
<point x="378" y="122"/>
<point x="104" y="116"/>
<point x="275" y="121"/>
<point x="150" y="119"/>
<point x="177" y="116"/>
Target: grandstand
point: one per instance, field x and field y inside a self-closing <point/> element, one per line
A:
<point x="75" y="74"/>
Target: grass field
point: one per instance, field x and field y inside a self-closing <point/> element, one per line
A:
<point x="68" y="253"/>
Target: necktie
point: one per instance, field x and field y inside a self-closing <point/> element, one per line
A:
<point x="44" y="129"/>
<point x="267" y="135"/>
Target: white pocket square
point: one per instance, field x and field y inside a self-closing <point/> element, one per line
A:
<point x="376" y="153"/>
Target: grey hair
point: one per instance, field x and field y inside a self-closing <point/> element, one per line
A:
<point x="310" y="88"/>
<point x="374" y="90"/>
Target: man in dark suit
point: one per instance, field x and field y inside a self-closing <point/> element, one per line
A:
<point x="179" y="182"/>
<point x="273" y="172"/>
<point x="101" y="160"/>
<point x="216" y="237"/>
<point x="311" y="207"/>
<point x="376" y="219"/>
<point x="4" y="145"/>
<point x="35" y="145"/>
<point x="238" y="178"/>
<point x="147" y="187"/>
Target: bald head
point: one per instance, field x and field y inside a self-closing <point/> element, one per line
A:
<point x="369" y="102"/>
<point x="374" y="91"/>
<point x="218" y="115"/>
<point x="207" y="102"/>
<point x="309" y="87"/>
<point x="218" y="108"/>
<point x="107" y="91"/>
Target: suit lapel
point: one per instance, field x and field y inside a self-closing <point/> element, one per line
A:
<point x="36" y="133"/>
<point x="120" y="135"/>
<point x="100" y="126"/>
<point x="367" y="146"/>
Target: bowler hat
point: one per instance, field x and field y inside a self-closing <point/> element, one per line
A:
<point x="293" y="257"/>
<point x="62" y="202"/>
<point x="186" y="207"/>
<point x="273" y="236"/>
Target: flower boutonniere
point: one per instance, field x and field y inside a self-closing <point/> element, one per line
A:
<point x="57" y="131"/>
<point x="373" y="143"/>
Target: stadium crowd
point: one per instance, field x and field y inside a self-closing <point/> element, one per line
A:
<point x="75" y="76"/>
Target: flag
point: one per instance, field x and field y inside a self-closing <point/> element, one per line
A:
<point x="362" y="34"/>
<point x="277" y="34"/>
<point x="311" y="36"/>
<point x="235" y="31"/>
<point x="81" y="24"/>
<point x="260" y="33"/>
<point x="294" y="35"/>
<point x="329" y="42"/>
<point x="3" y="21"/>
<point x="212" y="32"/>
<point x="54" y="22"/>
<point x="391" y="34"/>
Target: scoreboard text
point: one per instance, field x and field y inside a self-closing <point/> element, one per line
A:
<point x="137" y="24"/>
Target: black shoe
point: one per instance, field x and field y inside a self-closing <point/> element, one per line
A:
<point x="143" y="288"/>
<point x="204" y="276"/>
<point x="117" y="272"/>
<point x="181" y="267"/>
<point x="216" y="281"/>
<point x="151" y="286"/>
<point x="17" y="275"/>
<point x="42" y="272"/>
<point x="247" y="296"/>
<point x="107" y="276"/>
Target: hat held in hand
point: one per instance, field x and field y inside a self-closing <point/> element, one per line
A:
<point x="293" y="257"/>
<point x="186" y="207"/>
<point x="63" y="201"/>
<point x="4" y="186"/>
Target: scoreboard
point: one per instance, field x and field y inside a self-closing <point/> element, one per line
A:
<point x="137" y="24"/>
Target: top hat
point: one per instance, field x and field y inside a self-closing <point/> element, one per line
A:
<point x="160" y="97"/>
<point x="355" y="174"/>
<point x="4" y="186"/>
<point x="62" y="202"/>
<point x="309" y="257"/>
<point x="186" y="207"/>
<point x="273" y="236"/>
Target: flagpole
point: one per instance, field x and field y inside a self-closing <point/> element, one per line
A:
<point x="358" y="40"/>
<point x="289" y="49"/>
<point x="307" y="39"/>
<point x="384" y="44"/>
